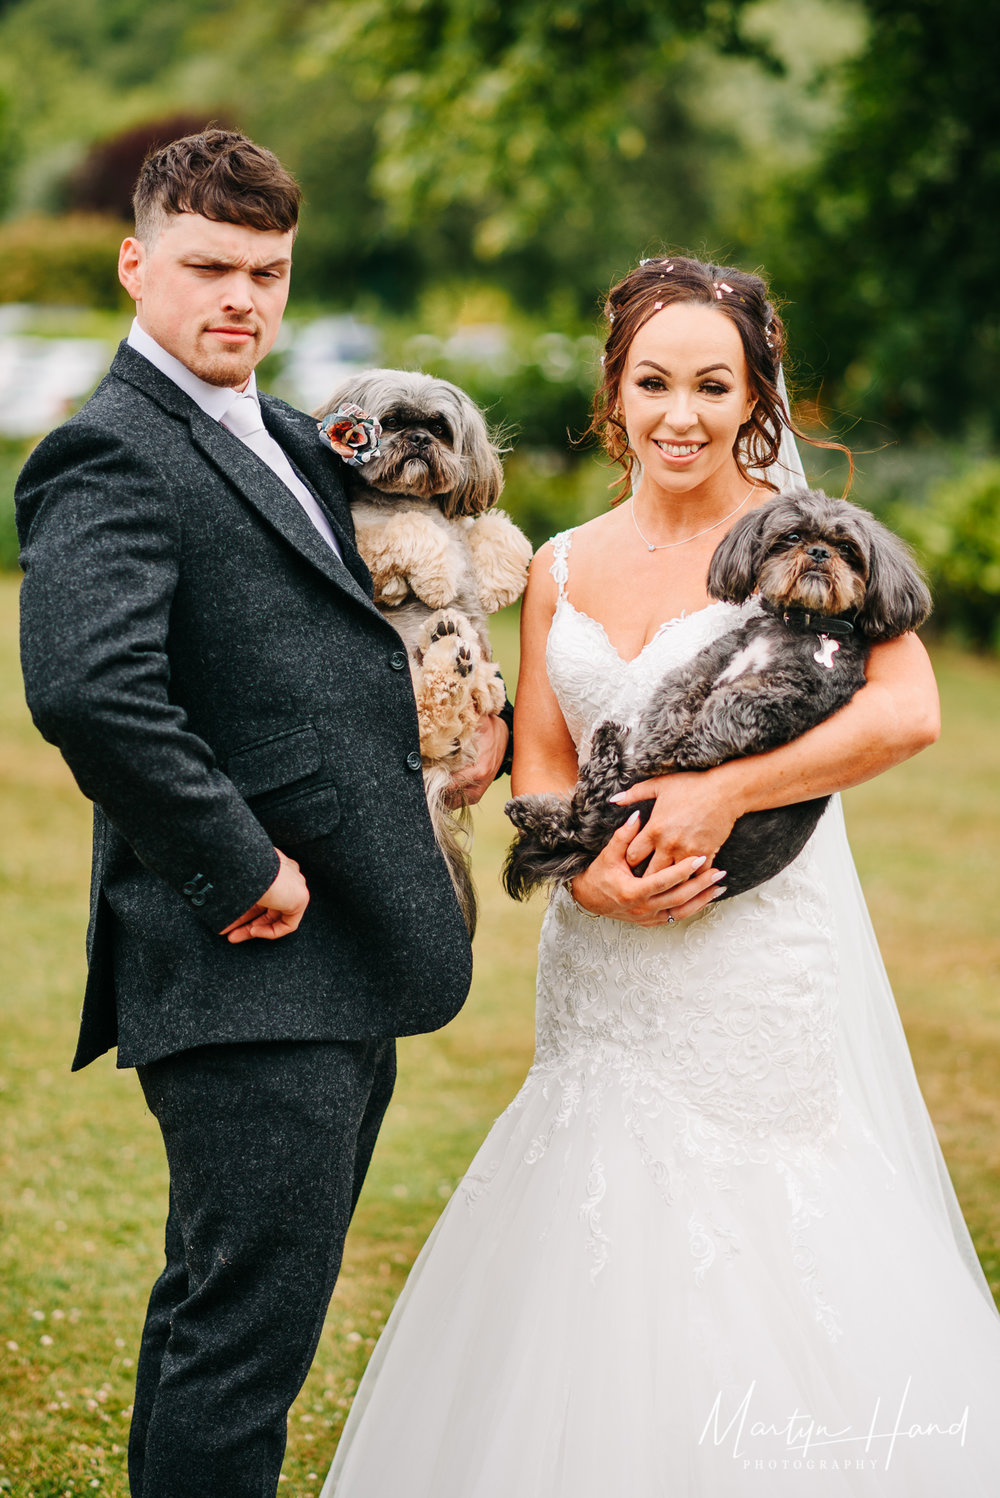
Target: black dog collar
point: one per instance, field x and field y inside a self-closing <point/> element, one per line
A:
<point x="818" y="624"/>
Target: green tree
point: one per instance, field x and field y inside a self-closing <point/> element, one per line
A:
<point x="888" y="243"/>
<point x="511" y="112"/>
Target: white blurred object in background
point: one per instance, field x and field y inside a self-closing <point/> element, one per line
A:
<point x="43" y="380"/>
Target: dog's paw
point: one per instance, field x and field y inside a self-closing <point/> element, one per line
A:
<point x="464" y="664"/>
<point x="488" y="689"/>
<point x="445" y="625"/>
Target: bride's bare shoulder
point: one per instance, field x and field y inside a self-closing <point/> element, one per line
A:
<point x="594" y="541"/>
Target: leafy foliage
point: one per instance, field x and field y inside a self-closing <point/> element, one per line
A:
<point x="889" y="241"/>
<point x="511" y="110"/>
<point x="958" y="537"/>
<point x="69" y="263"/>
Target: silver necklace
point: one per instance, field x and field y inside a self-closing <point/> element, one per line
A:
<point x="668" y="545"/>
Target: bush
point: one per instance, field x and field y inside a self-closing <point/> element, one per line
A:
<point x="957" y="536"/>
<point x="65" y="262"/>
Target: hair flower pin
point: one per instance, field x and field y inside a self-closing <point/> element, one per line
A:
<point x="353" y="435"/>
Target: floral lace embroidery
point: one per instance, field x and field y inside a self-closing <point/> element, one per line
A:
<point x="709" y="1046"/>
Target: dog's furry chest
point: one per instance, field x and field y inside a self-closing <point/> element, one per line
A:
<point x="825" y="668"/>
<point x="751" y="690"/>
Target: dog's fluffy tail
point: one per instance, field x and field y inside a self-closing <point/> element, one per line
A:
<point x="453" y="833"/>
<point x="528" y="865"/>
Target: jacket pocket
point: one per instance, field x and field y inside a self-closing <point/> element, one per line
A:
<point x="284" y="781"/>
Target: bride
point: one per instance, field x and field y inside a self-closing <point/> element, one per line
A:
<point x="711" y="1247"/>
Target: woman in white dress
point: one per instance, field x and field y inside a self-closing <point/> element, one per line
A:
<point x="711" y="1248"/>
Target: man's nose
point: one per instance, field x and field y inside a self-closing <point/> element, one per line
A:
<point x="237" y="293"/>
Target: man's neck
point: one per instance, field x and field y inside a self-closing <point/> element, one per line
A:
<point x="214" y="400"/>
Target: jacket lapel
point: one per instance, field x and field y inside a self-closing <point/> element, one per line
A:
<point x="321" y="471"/>
<point x="261" y="488"/>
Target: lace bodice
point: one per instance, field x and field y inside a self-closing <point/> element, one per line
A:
<point x="593" y="682"/>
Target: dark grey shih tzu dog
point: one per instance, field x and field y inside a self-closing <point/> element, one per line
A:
<point x="832" y="581"/>
<point x="442" y="559"/>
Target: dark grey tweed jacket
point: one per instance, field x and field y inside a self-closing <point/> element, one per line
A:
<point x="220" y="684"/>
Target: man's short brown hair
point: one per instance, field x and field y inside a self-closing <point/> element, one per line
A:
<point x="220" y="174"/>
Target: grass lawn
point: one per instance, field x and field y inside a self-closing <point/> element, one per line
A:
<point x="82" y="1181"/>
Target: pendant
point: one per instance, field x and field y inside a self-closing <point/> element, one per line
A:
<point x="650" y="548"/>
<point x="826" y="652"/>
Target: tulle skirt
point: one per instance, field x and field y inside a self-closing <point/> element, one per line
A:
<point x="643" y="1289"/>
<point x="569" y="1333"/>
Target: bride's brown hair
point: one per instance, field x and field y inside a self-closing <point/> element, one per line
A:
<point x="670" y="279"/>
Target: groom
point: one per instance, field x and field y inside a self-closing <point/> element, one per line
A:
<point x="268" y="905"/>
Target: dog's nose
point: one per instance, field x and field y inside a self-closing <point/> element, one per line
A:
<point x="818" y="553"/>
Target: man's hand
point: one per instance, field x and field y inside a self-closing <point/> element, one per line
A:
<point x="470" y="784"/>
<point x="279" y="909"/>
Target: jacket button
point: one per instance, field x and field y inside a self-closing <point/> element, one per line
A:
<point x="397" y="660"/>
<point x="413" y="760"/>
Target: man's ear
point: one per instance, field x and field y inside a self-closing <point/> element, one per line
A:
<point x="131" y="263"/>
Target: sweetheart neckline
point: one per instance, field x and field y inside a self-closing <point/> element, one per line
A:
<point x="667" y="624"/>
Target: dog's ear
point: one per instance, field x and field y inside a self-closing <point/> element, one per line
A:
<point x="732" y="572"/>
<point x="483" y="482"/>
<point x="896" y="596"/>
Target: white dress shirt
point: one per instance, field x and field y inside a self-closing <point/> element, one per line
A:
<point x="216" y="402"/>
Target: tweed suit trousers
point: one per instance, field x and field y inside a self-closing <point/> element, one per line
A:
<point x="268" y="1144"/>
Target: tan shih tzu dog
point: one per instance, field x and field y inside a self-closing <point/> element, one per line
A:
<point x="442" y="559"/>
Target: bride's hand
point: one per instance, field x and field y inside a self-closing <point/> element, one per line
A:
<point x="609" y="887"/>
<point x="693" y="815"/>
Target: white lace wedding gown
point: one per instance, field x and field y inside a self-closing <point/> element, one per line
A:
<point x="710" y="1248"/>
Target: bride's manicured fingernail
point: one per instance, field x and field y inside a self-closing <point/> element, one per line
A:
<point x="616" y="800"/>
<point x="699" y="861"/>
<point x="719" y="874"/>
<point x="717" y="892"/>
<point x="633" y="818"/>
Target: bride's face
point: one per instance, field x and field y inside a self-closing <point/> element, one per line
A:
<point x="684" y="395"/>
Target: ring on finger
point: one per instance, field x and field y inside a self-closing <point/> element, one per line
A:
<point x="671" y="920"/>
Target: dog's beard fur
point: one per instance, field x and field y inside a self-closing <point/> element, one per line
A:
<point x="414" y="462"/>
<point x="794" y="579"/>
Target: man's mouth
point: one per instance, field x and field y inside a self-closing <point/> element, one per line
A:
<point x="233" y="332"/>
<point x="680" y="449"/>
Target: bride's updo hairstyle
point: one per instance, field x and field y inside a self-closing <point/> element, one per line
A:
<point x="743" y="298"/>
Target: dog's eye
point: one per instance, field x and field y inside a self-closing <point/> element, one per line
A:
<point x="847" y="551"/>
<point x="439" y="429"/>
<point x="792" y="537"/>
<point x="389" y="423"/>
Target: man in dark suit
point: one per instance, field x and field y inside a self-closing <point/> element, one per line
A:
<point x="268" y="906"/>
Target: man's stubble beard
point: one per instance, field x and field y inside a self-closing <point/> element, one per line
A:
<point x="231" y="370"/>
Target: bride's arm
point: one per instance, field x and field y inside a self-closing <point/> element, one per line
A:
<point x="545" y="761"/>
<point x="893" y="717"/>
<point x="544" y="754"/>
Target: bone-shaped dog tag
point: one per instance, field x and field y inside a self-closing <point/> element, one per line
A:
<point x="826" y="652"/>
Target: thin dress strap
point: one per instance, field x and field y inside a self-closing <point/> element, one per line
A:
<point x="560" y="562"/>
